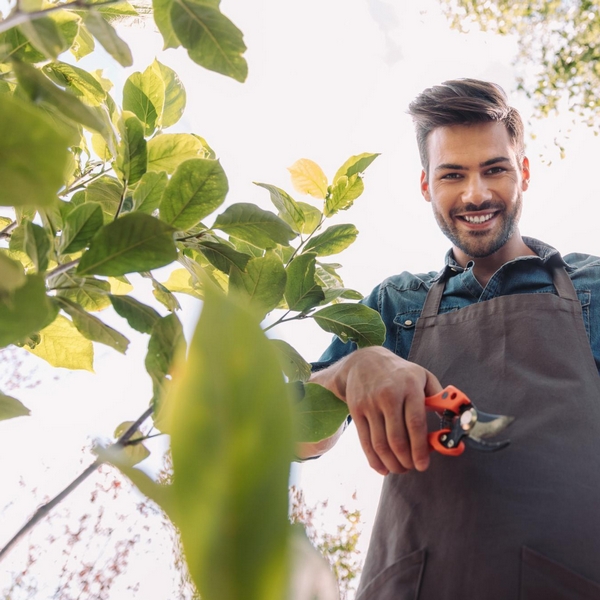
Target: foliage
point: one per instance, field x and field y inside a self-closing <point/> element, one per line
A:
<point x="96" y="190"/>
<point x="558" y="48"/>
<point x="339" y="548"/>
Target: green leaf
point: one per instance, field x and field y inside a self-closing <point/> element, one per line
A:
<point x="33" y="155"/>
<point x="39" y="88"/>
<point x="135" y="242"/>
<point x="61" y="345"/>
<point x="11" y="408"/>
<point x="149" y="190"/>
<point x="288" y="209"/>
<point x="210" y="38"/>
<point x="113" y="12"/>
<point x="254" y="225"/>
<point x="140" y="317"/>
<point x="12" y="275"/>
<point x="83" y="43"/>
<point x="308" y="178"/>
<point x="37" y="245"/>
<point x="355" y="165"/>
<point x="105" y="191"/>
<point x="165" y="296"/>
<point x="293" y="365"/>
<point x="107" y="36"/>
<point x="263" y="283"/>
<point x="223" y="257"/>
<point x="132" y="156"/>
<point x="165" y="346"/>
<point x="93" y="328"/>
<point x="355" y="322"/>
<point x="319" y="414"/>
<point x="230" y="486"/>
<point x="312" y="217"/>
<point x="156" y="96"/>
<point x="175" y="96"/>
<point x="134" y="453"/>
<point x="333" y="240"/>
<point x="182" y="282"/>
<point x="301" y="290"/>
<point x="80" y="82"/>
<point x="168" y="150"/>
<point x="80" y="227"/>
<point x="197" y="189"/>
<point x="25" y="311"/>
<point x="343" y="194"/>
<point x="162" y="18"/>
<point x="45" y="35"/>
<point x="88" y="292"/>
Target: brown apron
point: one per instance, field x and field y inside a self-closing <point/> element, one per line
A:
<point x="521" y="523"/>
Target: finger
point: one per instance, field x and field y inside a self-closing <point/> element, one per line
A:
<point x="398" y="437"/>
<point x="416" y="424"/>
<point x="364" y="436"/>
<point x="381" y="444"/>
<point x="432" y="384"/>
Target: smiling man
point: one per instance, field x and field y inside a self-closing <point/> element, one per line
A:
<point x="517" y="328"/>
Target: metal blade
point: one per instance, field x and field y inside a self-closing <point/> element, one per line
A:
<point x="488" y="426"/>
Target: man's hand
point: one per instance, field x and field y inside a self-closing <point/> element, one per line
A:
<point x="386" y="398"/>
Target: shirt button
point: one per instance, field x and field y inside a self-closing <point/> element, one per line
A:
<point x="408" y="322"/>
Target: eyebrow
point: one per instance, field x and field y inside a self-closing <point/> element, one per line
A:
<point x="487" y="163"/>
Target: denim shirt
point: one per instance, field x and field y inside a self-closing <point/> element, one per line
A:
<point x="400" y="298"/>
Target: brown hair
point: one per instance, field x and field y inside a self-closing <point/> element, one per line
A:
<point x="462" y="102"/>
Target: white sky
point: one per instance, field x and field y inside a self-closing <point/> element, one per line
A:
<point x="328" y="78"/>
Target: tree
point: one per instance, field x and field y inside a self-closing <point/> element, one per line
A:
<point x="558" y="49"/>
<point x="96" y="191"/>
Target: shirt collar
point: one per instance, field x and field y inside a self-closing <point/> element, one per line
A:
<point x="544" y="252"/>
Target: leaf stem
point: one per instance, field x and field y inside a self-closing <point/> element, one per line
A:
<point x="282" y="319"/>
<point x="19" y="17"/>
<point x="43" y="510"/>
<point x="62" y="268"/>
<point x="303" y="243"/>
<point x="123" y="194"/>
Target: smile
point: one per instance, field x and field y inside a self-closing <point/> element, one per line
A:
<point x="478" y="218"/>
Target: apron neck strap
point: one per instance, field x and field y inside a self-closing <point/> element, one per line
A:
<point x="560" y="278"/>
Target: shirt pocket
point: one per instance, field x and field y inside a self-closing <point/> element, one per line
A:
<point x="545" y="579"/>
<point x="584" y="297"/>
<point x="405" y="331"/>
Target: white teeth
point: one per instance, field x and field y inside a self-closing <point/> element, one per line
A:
<point x="479" y="219"/>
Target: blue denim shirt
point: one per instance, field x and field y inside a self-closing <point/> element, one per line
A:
<point x="400" y="298"/>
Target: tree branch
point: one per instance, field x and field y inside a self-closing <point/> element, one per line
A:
<point x="19" y="17"/>
<point x="43" y="510"/>
<point x="5" y="233"/>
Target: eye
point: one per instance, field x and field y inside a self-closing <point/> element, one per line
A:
<point x="495" y="170"/>
<point x="451" y="176"/>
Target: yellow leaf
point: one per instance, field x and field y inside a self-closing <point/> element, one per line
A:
<point x="308" y="178"/>
<point x="63" y="346"/>
<point x="119" y="287"/>
<point x="180" y="280"/>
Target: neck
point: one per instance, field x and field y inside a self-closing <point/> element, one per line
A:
<point x="485" y="267"/>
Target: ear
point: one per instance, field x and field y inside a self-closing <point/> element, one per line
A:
<point x="525" y="174"/>
<point x="425" y="187"/>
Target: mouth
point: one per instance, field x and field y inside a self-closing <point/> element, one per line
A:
<point x="479" y="220"/>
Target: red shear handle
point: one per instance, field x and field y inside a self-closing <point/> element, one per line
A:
<point x="436" y="443"/>
<point x="450" y="398"/>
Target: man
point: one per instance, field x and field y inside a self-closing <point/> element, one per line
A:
<point x="511" y="324"/>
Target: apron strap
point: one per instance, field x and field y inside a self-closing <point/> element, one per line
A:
<point x="560" y="278"/>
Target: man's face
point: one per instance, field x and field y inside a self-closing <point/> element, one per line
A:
<point x="475" y="185"/>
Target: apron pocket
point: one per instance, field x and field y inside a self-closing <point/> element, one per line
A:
<point x="545" y="579"/>
<point x="400" y="581"/>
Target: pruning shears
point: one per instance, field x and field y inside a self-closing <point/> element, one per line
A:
<point x="461" y="423"/>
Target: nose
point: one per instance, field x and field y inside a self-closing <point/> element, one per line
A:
<point x="476" y="190"/>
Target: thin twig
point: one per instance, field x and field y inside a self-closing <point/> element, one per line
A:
<point x="43" y="510"/>
<point x="5" y="233"/>
<point x="19" y="17"/>
<point x="62" y="268"/>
